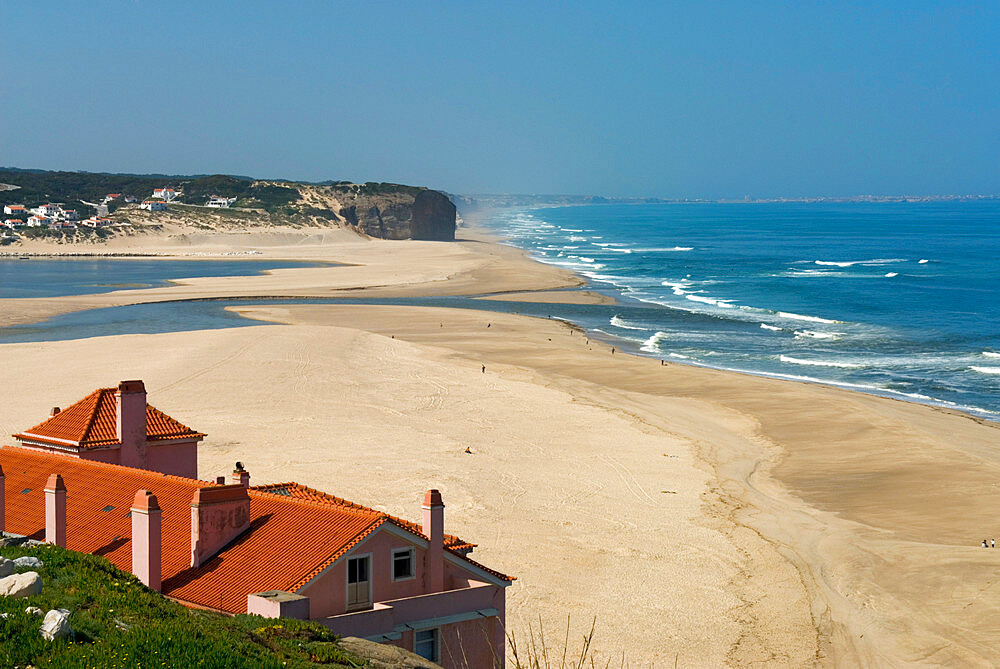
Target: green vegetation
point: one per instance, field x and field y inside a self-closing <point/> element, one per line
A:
<point x="120" y="623"/>
<point x="248" y="194"/>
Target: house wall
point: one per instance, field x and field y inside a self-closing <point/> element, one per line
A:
<point x="178" y="459"/>
<point x="328" y="593"/>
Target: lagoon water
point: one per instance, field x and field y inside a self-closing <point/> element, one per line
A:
<point x="900" y="299"/>
<point x="52" y="277"/>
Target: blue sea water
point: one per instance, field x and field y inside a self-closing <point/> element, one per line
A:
<point x="901" y="299"/>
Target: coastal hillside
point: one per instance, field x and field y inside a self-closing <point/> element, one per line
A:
<point x="115" y="621"/>
<point x="91" y="207"/>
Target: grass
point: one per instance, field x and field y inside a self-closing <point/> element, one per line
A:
<point x="537" y="652"/>
<point x="120" y="623"/>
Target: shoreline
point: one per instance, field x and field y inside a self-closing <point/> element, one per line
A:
<point x="800" y="522"/>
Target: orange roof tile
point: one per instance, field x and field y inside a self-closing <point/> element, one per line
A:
<point x="92" y="423"/>
<point x="99" y="497"/>
<point x="299" y="491"/>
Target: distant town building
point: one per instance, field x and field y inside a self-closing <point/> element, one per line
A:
<point x="165" y="194"/>
<point x="13" y="222"/>
<point x="131" y="198"/>
<point x="70" y="215"/>
<point x="14" y="209"/>
<point x="37" y="221"/>
<point x="49" y="210"/>
<point x="98" y="222"/>
<point x="153" y="205"/>
<point x="220" y="202"/>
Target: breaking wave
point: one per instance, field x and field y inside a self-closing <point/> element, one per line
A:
<point x="818" y="363"/>
<point x="620" y="322"/>
<point x="652" y="345"/>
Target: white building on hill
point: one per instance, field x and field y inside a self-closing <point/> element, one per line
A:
<point x="218" y="202"/>
<point x="153" y="205"/>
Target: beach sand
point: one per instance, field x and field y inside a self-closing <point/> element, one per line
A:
<point x="704" y="518"/>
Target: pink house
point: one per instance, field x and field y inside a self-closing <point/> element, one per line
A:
<point x="116" y="425"/>
<point x="277" y="550"/>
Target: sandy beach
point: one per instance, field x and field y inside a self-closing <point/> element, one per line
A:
<point x="704" y="518"/>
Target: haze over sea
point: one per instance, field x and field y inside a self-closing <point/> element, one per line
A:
<point x="894" y="298"/>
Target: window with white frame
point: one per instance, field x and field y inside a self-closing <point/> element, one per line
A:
<point x="427" y="644"/>
<point x="402" y="564"/>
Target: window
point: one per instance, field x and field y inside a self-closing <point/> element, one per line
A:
<point x="402" y="564"/>
<point x="358" y="578"/>
<point x="426" y="644"/>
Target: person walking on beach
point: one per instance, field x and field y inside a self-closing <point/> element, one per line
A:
<point x="484" y="369"/>
<point x="993" y="543"/>
<point x="612" y="350"/>
<point x="984" y="544"/>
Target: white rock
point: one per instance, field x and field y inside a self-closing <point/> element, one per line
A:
<point x="34" y="610"/>
<point x="21" y="585"/>
<point x="6" y="567"/>
<point x="56" y="625"/>
<point x="28" y="561"/>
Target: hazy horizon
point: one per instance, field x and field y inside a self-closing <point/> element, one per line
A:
<point x="717" y="101"/>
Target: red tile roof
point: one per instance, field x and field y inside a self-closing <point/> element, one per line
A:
<point x="92" y="423"/>
<point x="299" y="491"/>
<point x="261" y="559"/>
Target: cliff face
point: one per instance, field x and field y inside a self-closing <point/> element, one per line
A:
<point x="407" y="213"/>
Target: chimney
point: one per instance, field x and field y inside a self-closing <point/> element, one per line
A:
<point x="55" y="511"/>
<point x="146" y="538"/>
<point x="55" y="411"/>
<point x="3" y="510"/>
<point x="131" y="427"/>
<point x="241" y="475"/>
<point x="219" y="514"/>
<point x="433" y="527"/>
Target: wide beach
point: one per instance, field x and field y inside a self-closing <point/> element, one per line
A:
<point x="704" y="518"/>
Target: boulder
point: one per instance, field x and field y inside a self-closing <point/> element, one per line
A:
<point x="34" y="611"/>
<point x="28" y="561"/>
<point x="21" y="585"/>
<point x="56" y="625"/>
<point x="6" y="567"/>
<point x="384" y="656"/>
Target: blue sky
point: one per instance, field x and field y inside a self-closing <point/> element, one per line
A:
<point x="700" y="99"/>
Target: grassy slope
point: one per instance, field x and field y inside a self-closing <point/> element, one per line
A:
<point x="121" y="623"/>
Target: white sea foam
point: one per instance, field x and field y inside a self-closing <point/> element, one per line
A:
<point x="990" y="354"/>
<point x="652" y="345"/>
<point x="923" y="261"/>
<point x="813" y="334"/>
<point x="679" y="355"/>
<point x="774" y="328"/>
<point x="868" y="263"/>
<point x="570" y="230"/>
<point x="664" y="249"/>
<point x="985" y="370"/>
<point x="584" y="259"/>
<point x="818" y="363"/>
<point x="619" y="322"/>
<point x="715" y="302"/>
<point x="892" y="274"/>
<point x="575" y="238"/>
<point x="800" y="317"/>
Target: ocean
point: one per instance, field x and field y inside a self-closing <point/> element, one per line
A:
<point x="898" y="299"/>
